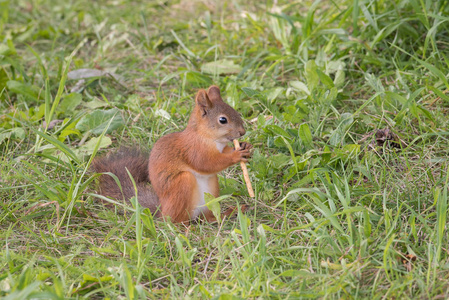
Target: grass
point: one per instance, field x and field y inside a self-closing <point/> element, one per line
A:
<point x="345" y="101"/>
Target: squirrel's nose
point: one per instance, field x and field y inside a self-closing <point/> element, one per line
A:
<point x="242" y="132"/>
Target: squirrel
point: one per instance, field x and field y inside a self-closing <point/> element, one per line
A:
<point x="182" y="166"/>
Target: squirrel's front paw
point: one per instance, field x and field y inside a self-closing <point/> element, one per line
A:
<point x="245" y="151"/>
<point x="241" y="155"/>
<point x="245" y="145"/>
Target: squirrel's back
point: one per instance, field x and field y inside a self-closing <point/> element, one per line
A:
<point x="117" y="163"/>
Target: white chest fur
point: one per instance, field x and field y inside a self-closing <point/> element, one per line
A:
<point x="203" y="184"/>
<point x="220" y="146"/>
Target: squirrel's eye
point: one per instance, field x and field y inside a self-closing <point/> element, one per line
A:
<point x="222" y="120"/>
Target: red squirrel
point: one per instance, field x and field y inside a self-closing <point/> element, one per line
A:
<point x="182" y="166"/>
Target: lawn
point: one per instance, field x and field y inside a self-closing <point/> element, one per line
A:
<point x="346" y="103"/>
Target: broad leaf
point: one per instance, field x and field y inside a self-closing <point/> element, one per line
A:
<point x="24" y="89"/>
<point x="305" y="135"/>
<point x="219" y="67"/>
<point x="99" y="119"/>
<point x="69" y="103"/>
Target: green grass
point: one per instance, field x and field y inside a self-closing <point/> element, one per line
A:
<point x="337" y="214"/>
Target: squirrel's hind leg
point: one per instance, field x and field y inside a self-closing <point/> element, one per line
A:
<point x="178" y="198"/>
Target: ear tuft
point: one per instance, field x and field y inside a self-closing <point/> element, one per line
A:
<point x="202" y="100"/>
<point x="214" y="93"/>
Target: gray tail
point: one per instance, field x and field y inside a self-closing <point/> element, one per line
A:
<point x="117" y="163"/>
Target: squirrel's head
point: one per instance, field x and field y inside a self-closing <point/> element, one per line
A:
<point x="214" y="118"/>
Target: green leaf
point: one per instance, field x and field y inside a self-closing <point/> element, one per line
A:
<point x="300" y="86"/>
<point x="3" y="79"/>
<point x="339" y="79"/>
<point x="325" y="79"/>
<point x="280" y="160"/>
<point x="439" y="93"/>
<point x="89" y="147"/>
<point x="197" y="79"/>
<point x="219" y="67"/>
<point x="14" y="133"/>
<point x="214" y="205"/>
<point x="346" y="119"/>
<point x="7" y="49"/>
<point x="95" y="103"/>
<point x="351" y="149"/>
<point x="148" y="222"/>
<point x="188" y="51"/>
<point x="90" y="283"/>
<point x="278" y="131"/>
<point x="69" y="103"/>
<point x="374" y="83"/>
<point x="228" y="297"/>
<point x="273" y="94"/>
<point x="98" y="120"/>
<point x="66" y="150"/>
<point x="24" y="89"/>
<point x="311" y="75"/>
<point x="435" y="71"/>
<point x="326" y="154"/>
<point x="399" y="98"/>
<point x="305" y="135"/>
<point x="250" y="92"/>
<point x="331" y="96"/>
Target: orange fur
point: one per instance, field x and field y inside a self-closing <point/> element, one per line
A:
<point x="183" y="165"/>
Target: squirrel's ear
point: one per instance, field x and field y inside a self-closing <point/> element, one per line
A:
<point x="214" y="93"/>
<point x="203" y="101"/>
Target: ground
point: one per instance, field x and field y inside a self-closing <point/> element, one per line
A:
<point x="346" y="103"/>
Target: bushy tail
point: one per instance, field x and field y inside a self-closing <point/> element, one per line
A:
<point x="137" y="164"/>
